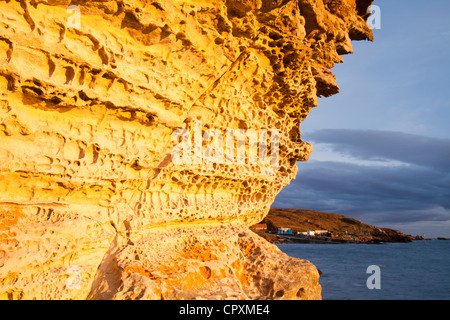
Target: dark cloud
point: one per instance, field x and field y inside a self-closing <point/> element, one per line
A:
<point x="387" y="145"/>
<point x="418" y="191"/>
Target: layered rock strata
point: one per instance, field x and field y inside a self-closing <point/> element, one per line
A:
<point x="91" y="203"/>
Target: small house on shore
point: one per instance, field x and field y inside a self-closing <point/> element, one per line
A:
<point x="313" y="233"/>
<point x="260" y="226"/>
<point x="284" y="231"/>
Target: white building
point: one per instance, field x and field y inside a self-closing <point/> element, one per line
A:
<point x="311" y="233"/>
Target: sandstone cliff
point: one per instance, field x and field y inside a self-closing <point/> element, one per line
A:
<point x="91" y="203"/>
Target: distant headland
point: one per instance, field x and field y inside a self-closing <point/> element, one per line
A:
<point x="309" y="226"/>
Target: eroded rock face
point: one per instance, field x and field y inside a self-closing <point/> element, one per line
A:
<point x="91" y="203"/>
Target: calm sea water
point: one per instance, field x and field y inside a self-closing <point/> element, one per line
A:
<point x="408" y="271"/>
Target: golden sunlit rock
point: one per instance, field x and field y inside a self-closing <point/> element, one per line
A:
<point x="91" y="203"/>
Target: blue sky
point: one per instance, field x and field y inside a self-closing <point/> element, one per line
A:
<point x="382" y="145"/>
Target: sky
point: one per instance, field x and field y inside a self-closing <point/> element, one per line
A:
<point x="382" y="145"/>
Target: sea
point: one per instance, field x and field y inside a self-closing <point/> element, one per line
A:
<point x="418" y="270"/>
